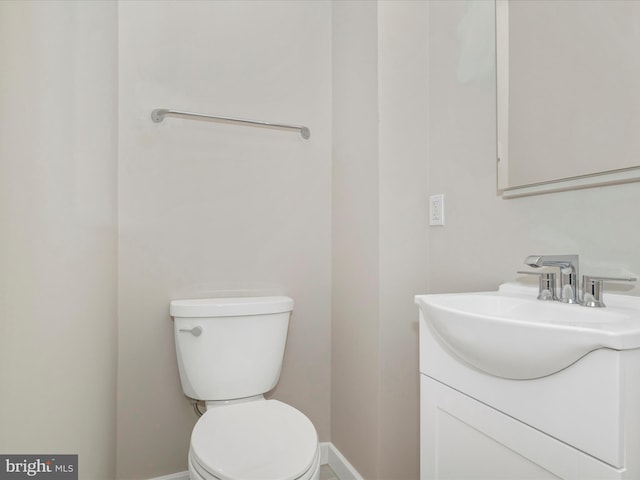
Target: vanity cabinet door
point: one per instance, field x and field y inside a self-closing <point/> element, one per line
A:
<point x="462" y="438"/>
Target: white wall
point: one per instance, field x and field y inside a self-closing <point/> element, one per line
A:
<point x="58" y="241"/>
<point x="210" y="209"/>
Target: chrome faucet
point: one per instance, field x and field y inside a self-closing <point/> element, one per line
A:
<point x="568" y="265"/>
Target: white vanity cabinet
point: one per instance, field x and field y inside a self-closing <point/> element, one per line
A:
<point x="582" y="422"/>
<point x="462" y="438"/>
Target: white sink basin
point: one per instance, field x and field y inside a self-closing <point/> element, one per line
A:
<point x="511" y="334"/>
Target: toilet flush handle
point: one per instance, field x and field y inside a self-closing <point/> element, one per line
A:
<point x="195" y="331"/>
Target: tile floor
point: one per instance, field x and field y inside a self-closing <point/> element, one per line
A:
<point x="327" y="474"/>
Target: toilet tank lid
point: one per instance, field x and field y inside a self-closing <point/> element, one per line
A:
<point x="229" y="307"/>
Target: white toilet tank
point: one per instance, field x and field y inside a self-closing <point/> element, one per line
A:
<point x="230" y="348"/>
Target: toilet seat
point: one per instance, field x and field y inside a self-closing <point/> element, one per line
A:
<point x="197" y="472"/>
<point x="258" y="440"/>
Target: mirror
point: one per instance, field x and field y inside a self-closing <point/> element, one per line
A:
<point x="568" y="87"/>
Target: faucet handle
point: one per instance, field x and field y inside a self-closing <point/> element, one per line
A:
<point x="592" y="288"/>
<point x="547" y="284"/>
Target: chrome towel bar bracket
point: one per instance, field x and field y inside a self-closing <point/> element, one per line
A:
<point x="158" y="115"/>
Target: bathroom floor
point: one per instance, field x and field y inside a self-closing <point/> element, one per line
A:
<point x="327" y="474"/>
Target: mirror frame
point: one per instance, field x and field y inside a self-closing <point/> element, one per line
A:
<point x="610" y="177"/>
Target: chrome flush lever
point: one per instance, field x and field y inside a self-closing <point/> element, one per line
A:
<point x="195" y="331"/>
<point x="592" y="288"/>
<point x="547" y="285"/>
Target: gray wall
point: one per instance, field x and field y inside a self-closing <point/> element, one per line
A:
<point x="212" y="209"/>
<point x="58" y="157"/>
<point x="384" y="172"/>
<point x="486" y="238"/>
<point x="399" y="109"/>
<point x="379" y="232"/>
<point x="355" y="245"/>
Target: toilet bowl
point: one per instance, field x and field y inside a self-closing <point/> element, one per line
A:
<point x="258" y="440"/>
<point x="229" y="353"/>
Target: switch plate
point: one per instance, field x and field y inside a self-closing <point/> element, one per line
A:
<point x="436" y="209"/>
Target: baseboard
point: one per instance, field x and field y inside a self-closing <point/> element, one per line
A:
<point x="174" y="476"/>
<point x="329" y="455"/>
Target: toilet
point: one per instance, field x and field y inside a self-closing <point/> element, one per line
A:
<point x="229" y="353"/>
